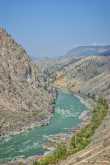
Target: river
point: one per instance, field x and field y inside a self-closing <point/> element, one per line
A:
<point x="67" y="111"/>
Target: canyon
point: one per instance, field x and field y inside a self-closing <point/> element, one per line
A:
<point x="28" y="91"/>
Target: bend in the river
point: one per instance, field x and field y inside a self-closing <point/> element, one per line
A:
<point x="67" y="111"/>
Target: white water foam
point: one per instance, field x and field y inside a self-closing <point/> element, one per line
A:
<point x="67" y="112"/>
<point x="28" y="147"/>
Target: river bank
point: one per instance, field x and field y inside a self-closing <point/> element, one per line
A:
<point x="27" y="128"/>
<point x="43" y="122"/>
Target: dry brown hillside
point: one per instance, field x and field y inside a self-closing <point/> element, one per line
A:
<point x="23" y="100"/>
<point x="90" y="76"/>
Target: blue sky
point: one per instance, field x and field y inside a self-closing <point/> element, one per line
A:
<point x="52" y="27"/>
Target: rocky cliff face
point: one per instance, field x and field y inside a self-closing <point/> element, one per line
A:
<point x="23" y="100"/>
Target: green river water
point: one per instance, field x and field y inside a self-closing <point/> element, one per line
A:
<point x="67" y="111"/>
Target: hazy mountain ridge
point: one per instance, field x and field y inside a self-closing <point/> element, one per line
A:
<point x="90" y="50"/>
<point x="83" y="70"/>
<point x="52" y="66"/>
<point x="81" y="74"/>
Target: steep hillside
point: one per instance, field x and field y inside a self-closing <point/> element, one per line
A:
<point x="23" y="100"/>
<point x="90" y="76"/>
<point x="50" y="67"/>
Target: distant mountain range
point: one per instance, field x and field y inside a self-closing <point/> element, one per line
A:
<point x="52" y="65"/>
<point x="83" y="51"/>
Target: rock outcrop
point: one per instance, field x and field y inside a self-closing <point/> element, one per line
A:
<point x="23" y="101"/>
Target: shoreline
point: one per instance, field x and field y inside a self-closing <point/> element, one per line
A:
<point x="85" y="100"/>
<point x="26" y="129"/>
<point x="37" y="123"/>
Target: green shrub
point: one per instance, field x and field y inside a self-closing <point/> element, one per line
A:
<point x="81" y="139"/>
